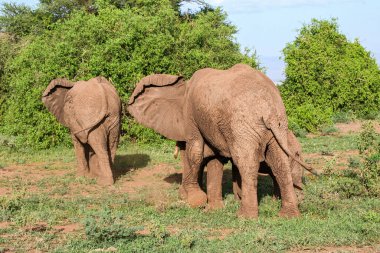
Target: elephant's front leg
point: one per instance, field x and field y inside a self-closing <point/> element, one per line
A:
<point x="80" y="153"/>
<point x="214" y="184"/>
<point x="98" y="140"/>
<point x="194" y="153"/>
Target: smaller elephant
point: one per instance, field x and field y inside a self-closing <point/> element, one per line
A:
<point x="92" y="111"/>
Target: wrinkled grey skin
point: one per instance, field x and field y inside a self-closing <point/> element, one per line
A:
<point x="297" y="171"/>
<point x="215" y="164"/>
<point x="237" y="112"/>
<point x="91" y="110"/>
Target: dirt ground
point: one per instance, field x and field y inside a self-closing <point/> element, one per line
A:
<point x="354" y="127"/>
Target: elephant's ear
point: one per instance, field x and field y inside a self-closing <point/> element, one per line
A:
<point x="54" y="97"/>
<point x="157" y="103"/>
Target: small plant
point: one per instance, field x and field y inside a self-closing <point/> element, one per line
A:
<point x="10" y="206"/>
<point x="6" y="141"/>
<point x="107" y="226"/>
<point x="353" y="162"/>
<point x="371" y="115"/>
<point x="343" y="117"/>
<point x="327" y="152"/>
<point x="329" y="168"/>
<point x="328" y="130"/>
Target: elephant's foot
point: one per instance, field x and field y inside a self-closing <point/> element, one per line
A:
<point x="214" y="205"/>
<point x="196" y="198"/>
<point x="182" y="193"/>
<point x="289" y="212"/>
<point x="82" y="173"/>
<point x="105" y="181"/>
<point x="248" y="213"/>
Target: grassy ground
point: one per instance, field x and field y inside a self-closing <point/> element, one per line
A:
<point x="44" y="207"/>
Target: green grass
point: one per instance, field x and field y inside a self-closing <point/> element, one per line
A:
<point x="329" y="143"/>
<point x="130" y="154"/>
<point x="332" y="215"/>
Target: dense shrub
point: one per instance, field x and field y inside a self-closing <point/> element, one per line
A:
<point x="121" y="44"/>
<point x="361" y="178"/>
<point x="309" y="117"/>
<point x="369" y="170"/>
<point x="326" y="71"/>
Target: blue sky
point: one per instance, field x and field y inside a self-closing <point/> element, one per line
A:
<point x="267" y="25"/>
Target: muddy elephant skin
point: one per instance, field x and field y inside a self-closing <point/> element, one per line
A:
<point x="237" y="112"/>
<point x="91" y="110"/>
<point x="297" y="171"/>
<point x="215" y="166"/>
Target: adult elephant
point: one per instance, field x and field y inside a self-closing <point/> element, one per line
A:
<point x="91" y="110"/>
<point x="237" y="112"/>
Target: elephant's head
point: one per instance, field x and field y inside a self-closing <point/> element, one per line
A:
<point x="157" y="102"/>
<point x="79" y="106"/>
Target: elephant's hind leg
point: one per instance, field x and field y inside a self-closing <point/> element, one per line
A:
<point x="278" y="161"/>
<point x="247" y="161"/>
<point x="236" y="182"/>
<point x="113" y="141"/>
<point x="99" y="143"/>
<point x="82" y="157"/>
<point x="214" y="184"/>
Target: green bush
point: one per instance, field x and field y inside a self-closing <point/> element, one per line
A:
<point x="121" y="44"/>
<point x="362" y="177"/>
<point x="309" y="117"/>
<point x="325" y="70"/>
<point x="8" y="50"/>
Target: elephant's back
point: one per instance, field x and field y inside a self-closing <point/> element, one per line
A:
<point x="239" y="88"/>
<point x="85" y="105"/>
<point x="113" y="104"/>
<point x="112" y="97"/>
<point x="228" y="103"/>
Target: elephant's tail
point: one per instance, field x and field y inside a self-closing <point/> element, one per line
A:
<point x="280" y="140"/>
